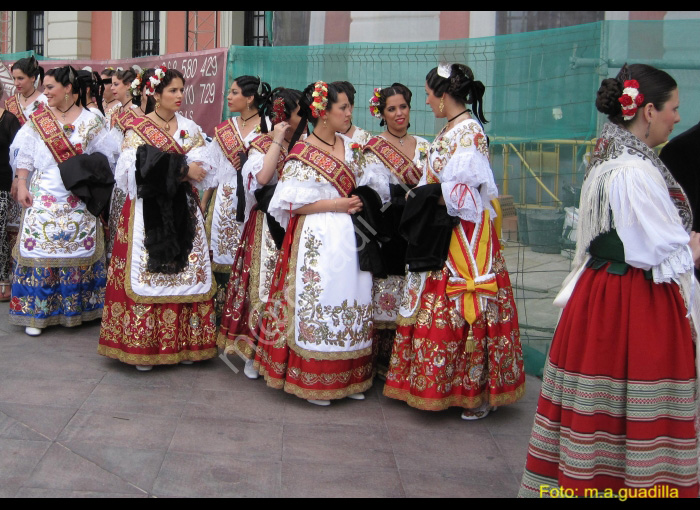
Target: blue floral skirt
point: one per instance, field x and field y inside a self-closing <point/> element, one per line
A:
<point x="45" y="296"/>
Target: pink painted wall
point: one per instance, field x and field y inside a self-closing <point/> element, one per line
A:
<point x="647" y="15"/>
<point x="176" y="36"/>
<point x="454" y="25"/>
<point x="337" y="29"/>
<point x="101" y="34"/>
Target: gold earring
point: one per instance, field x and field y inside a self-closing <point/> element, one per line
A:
<point x="442" y="103"/>
<point x="65" y="98"/>
<point x="157" y="105"/>
<point x="646" y="135"/>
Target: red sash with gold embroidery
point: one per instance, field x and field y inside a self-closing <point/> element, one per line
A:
<point x="331" y="168"/>
<point x="151" y="133"/>
<point x="53" y="135"/>
<point x="121" y="119"/>
<point x="262" y="144"/>
<point x="14" y="107"/>
<point x="229" y="140"/>
<point x="394" y="160"/>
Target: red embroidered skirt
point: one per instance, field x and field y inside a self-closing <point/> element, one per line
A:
<point x="432" y="368"/>
<point x="151" y="334"/>
<point x="280" y="365"/>
<point x="240" y="320"/>
<point x="618" y="402"/>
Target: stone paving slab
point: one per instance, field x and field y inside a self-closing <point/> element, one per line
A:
<point x="76" y="424"/>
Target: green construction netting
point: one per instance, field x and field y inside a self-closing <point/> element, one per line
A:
<point x="540" y="94"/>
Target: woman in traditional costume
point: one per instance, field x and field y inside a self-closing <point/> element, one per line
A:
<point x="9" y="125"/>
<point x="110" y="104"/>
<point x="27" y="75"/>
<point x="355" y="133"/>
<point x="618" y="405"/>
<point x="457" y="341"/>
<point x="226" y="206"/>
<point x="126" y="84"/>
<point x="256" y="257"/>
<point x="60" y="275"/>
<point x="400" y="157"/>
<point x="316" y="336"/>
<point x="158" y="306"/>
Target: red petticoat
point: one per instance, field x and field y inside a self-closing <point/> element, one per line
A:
<point x="151" y="334"/>
<point x="432" y="368"/>
<point x="618" y="402"/>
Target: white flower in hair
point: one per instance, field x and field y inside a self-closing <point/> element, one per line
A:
<point x="444" y="69"/>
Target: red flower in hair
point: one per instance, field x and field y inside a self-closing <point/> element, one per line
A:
<point x="632" y="84"/>
<point x="626" y="100"/>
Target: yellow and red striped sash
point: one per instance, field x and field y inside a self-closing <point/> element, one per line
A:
<point x="394" y="160"/>
<point x="331" y="168"/>
<point x="53" y="135"/>
<point x="472" y="263"/>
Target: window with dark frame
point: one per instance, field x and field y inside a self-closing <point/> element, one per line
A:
<point x="35" y="32"/>
<point x="146" y="33"/>
<point x="516" y="22"/>
<point x="254" y="33"/>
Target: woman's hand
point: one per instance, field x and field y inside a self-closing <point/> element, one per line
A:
<point x="695" y="248"/>
<point x="237" y="162"/>
<point x="196" y="172"/>
<point x="23" y="196"/>
<point x="350" y="205"/>
<point x="279" y="131"/>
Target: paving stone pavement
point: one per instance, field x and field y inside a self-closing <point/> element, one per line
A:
<point x="76" y="424"/>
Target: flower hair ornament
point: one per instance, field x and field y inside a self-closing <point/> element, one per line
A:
<point x="631" y="99"/>
<point x="320" y="99"/>
<point x="374" y="103"/>
<point x="136" y="83"/>
<point x="278" y="114"/>
<point x="444" y="69"/>
<point x="155" y="80"/>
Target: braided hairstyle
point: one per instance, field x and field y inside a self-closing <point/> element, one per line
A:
<point x="387" y="92"/>
<point x="91" y="81"/>
<point x="460" y="86"/>
<point x="260" y="90"/>
<point x="30" y="67"/>
<point x="68" y="75"/>
<point x="655" y="84"/>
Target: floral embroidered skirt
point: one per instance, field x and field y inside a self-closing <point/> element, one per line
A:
<point x="280" y="365"/>
<point x="386" y="295"/>
<point x="618" y="399"/>
<point x="437" y="362"/>
<point x="151" y="333"/>
<point x="255" y="261"/>
<point x="46" y="296"/>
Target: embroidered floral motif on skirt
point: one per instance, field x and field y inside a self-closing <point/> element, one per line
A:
<point x="283" y="368"/>
<point x="151" y="334"/>
<point x="46" y="296"/>
<point x="431" y="365"/>
<point x="618" y="400"/>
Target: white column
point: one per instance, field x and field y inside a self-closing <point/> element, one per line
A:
<point x="163" y="32"/>
<point x="482" y="24"/>
<point x="122" y="32"/>
<point x="232" y="26"/>
<point x="68" y="34"/>
<point x="394" y="26"/>
<point x="317" y="28"/>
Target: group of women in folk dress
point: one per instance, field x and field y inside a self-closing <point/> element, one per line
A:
<point x="326" y="256"/>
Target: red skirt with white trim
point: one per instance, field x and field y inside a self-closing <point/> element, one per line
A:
<point x="618" y="401"/>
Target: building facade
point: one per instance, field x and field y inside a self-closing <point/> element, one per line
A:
<point x="105" y="35"/>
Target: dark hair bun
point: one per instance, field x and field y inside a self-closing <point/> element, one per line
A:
<point x="607" y="99"/>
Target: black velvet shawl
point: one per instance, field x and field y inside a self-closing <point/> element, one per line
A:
<point x="427" y="227"/>
<point x="263" y="197"/>
<point x="90" y="178"/>
<point x="370" y="231"/>
<point x="168" y="208"/>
